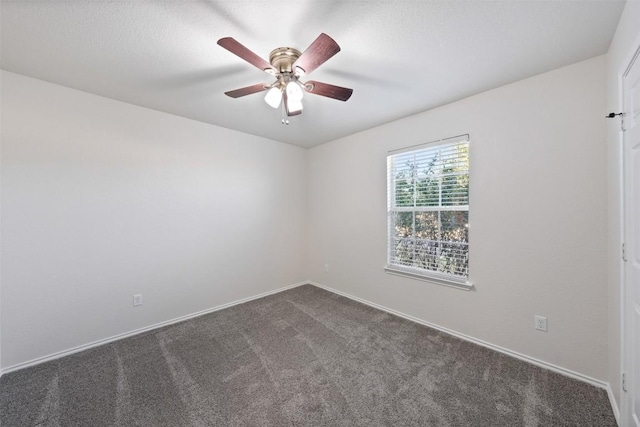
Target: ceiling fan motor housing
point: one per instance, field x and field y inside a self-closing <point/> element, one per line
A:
<point x="283" y="58"/>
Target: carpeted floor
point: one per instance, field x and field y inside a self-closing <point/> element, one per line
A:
<point x="304" y="357"/>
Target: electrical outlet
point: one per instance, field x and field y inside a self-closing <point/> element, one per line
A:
<point x="137" y="299"/>
<point x="326" y="268"/>
<point x="540" y="323"/>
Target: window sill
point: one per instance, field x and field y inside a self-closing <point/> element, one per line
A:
<point x="463" y="284"/>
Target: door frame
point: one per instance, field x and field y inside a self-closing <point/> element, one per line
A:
<point x="624" y="410"/>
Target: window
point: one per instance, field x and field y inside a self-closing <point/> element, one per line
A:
<point x="428" y="211"/>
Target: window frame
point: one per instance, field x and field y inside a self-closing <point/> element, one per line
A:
<point x="424" y="274"/>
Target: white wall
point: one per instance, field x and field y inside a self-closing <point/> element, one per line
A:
<point x="537" y="218"/>
<point x="624" y="44"/>
<point x="102" y="200"/>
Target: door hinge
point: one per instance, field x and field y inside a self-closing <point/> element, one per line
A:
<point x="624" y="251"/>
<point x="624" y="382"/>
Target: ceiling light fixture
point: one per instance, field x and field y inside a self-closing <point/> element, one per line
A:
<point x="288" y="66"/>
<point x="273" y="97"/>
<point x="287" y="90"/>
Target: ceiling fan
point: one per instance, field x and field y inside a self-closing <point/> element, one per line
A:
<point x="289" y="66"/>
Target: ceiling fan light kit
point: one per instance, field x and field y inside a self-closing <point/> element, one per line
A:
<point x="273" y="97"/>
<point x="288" y="66"/>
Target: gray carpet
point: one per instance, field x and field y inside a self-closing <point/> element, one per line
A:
<point x="304" y="357"/>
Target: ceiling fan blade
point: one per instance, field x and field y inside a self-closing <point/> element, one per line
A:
<point x="330" y="91"/>
<point x="233" y="46"/>
<point x="247" y="90"/>
<point x="322" y="48"/>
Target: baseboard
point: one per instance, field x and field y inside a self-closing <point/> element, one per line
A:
<point x="614" y="404"/>
<point x="97" y="343"/>
<point x="524" y="357"/>
<point x="529" y="359"/>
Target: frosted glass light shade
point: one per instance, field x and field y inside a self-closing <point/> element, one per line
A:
<point x="294" y="92"/>
<point x="273" y="97"/>
<point x="294" y="105"/>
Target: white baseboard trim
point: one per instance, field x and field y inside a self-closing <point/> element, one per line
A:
<point x="532" y="360"/>
<point x="524" y="357"/>
<point x="100" y="342"/>
<point x="614" y="404"/>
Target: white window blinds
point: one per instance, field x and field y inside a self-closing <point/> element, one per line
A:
<point x="428" y="209"/>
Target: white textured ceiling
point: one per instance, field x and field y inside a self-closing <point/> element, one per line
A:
<point x="400" y="57"/>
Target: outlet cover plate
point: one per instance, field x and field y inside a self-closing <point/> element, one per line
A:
<point x="540" y="323"/>
<point x="137" y="299"/>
